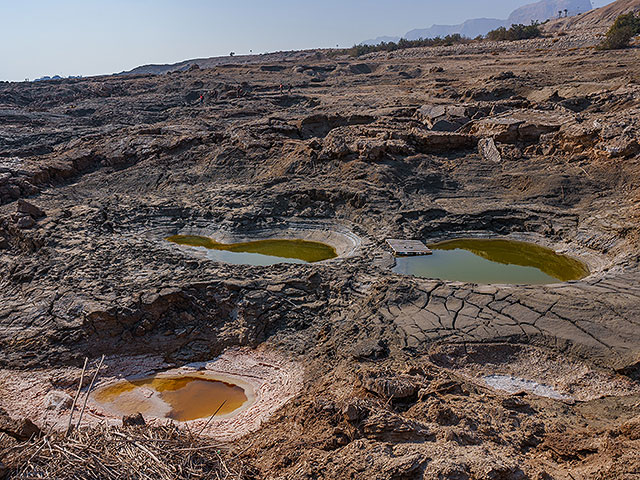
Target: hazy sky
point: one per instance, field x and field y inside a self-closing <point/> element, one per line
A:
<point x="87" y="37"/>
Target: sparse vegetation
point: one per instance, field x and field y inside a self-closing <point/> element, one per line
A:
<point x="621" y="32"/>
<point x="456" y="38"/>
<point x="515" y="32"/>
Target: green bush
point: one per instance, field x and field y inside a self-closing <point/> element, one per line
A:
<point x="621" y="32"/>
<point x="515" y="32"/>
<point x="497" y="34"/>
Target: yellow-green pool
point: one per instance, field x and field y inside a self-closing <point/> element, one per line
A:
<point x="488" y="261"/>
<point x="260" y="252"/>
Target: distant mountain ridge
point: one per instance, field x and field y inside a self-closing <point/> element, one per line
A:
<point x="539" y="11"/>
<point x="470" y="28"/>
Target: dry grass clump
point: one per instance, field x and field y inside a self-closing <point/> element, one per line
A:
<point x="107" y="452"/>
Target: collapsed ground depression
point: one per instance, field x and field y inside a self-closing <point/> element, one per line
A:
<point x="350" y="367"/>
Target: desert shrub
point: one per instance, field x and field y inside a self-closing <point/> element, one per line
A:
<point x="621" y="32"/>
<point x="515" y="32"/>
<point x="498" y="34"/>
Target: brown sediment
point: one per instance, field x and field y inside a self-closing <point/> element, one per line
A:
<point x="264" y="381"/>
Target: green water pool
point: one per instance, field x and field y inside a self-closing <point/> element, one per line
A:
<point x="488" y="261"/>
<point x="259" y="252"/>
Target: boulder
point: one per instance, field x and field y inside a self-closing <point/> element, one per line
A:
<point x="506" y="75"/>
<point x="29" y="208"/>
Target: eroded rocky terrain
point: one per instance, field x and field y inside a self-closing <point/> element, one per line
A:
<point x="536" y="140"/>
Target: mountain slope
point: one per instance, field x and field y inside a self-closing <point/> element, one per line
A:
<point x="600" y="18"/>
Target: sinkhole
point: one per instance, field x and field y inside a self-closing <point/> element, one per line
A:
<point x="181" y="398"/>
<point x="492" y="261"/>
<point x="259" y="252"/>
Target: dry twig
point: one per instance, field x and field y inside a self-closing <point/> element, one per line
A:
<point x="75" y="399"/>
<point x="86" y="397"/>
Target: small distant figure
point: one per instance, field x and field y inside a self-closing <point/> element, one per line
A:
<point x="201" y="99"/>
<point x="281" y="88"/>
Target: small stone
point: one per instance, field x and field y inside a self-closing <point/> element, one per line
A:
<point x="133" y="420"/>
<point x="56" y="400"/>
<point x="488" y="150"/>
<point x="351" y="412"/>
<point x="25" y="222"/>
<point x="29" y="208"/>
